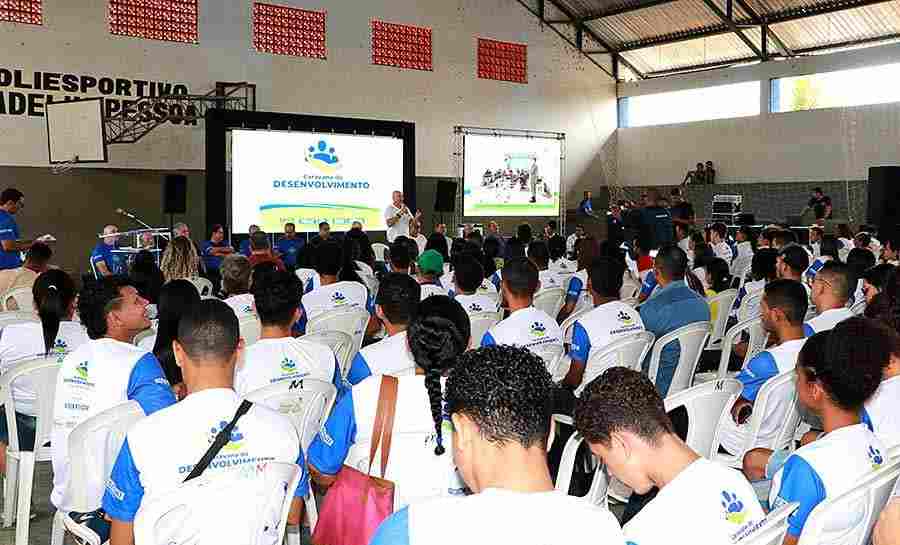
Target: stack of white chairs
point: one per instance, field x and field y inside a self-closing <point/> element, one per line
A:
<point x="550" y="300"/>
<point x="480" y="323"/>
<point x="22" y="296"/>
<point x="251" y="328"/>
<point x="351" y="321"/>
<point x="691" y="338"/>
<point x="724" y="301"/>
<point x="339" y="342"/>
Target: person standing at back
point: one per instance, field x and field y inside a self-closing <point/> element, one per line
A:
<point x="682" y="211"/>
<point x="11" y="202"/>
<point x="673" y="307"/>
<point x="397" y="217"/>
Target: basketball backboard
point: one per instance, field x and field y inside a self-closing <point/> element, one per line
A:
<point x="75" y="132"/>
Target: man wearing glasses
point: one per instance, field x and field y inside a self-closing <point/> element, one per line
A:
<point x="830" y="293"/>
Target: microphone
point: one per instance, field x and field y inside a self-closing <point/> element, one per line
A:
<point x="125" y="213"/>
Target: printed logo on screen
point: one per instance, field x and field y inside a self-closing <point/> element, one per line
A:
<point x="235" y="442"/>
<point x="875" y="457"/>
<point x="538" y="330"/>
<point x="734" y="508"/>
<point x="323" y="158"/>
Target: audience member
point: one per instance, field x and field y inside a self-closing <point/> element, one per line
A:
<point x="438" y="243"/>
<point x="655" y="222"/>
<point x="289" y="246"/>
<point x="830" y="292"/>
<point x="577" y="294"/>
<point x="792" y="262"/>
<point x="245" y="245"/>
<point x="236" y="271"/>
<point x="539" y="254"/>
<point x="37" y="260"/>
<point x="890" y="252"/>
<point x="498" y="400"/>
<point x="398" y="259"/>
<point x="858" y="262"/>
<point x="881" y="410"/>
<point x="430" y="268"/>
<point x="261" y="251"/>
<point x="718" y="240"/>
<point x="815" y="240"/>
<point x="104" y="262"/>
<point x="573" y="239"/>
<point x="214" y="251"/>
<point x="179" y="260"/>
<point x="783" y="238"/>
<point x="332" y="294"/>
<point x="415" y="234"/>
<point x="556" y="245"/>
<point x="623" y="419"/>
<point x="762" y="271"/>
<point x="682" y="211"/>
<point x="718" y="279"/>
<point x="468" y="279"/>
<point x="175" y="298"/>
<point x="745" y="245"/>
<point x="876" y="279"/>
<point x="146" y="276"/>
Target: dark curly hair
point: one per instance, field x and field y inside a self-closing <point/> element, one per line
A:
<point x="96" y="299"/>
<point x="621" y="400"/>
<point x="276" y="295"/>
<point x="886" y="305"/>
<point x="506" y="391"/>
<point x="438" y="335"/>
<point x="848" y="361"/>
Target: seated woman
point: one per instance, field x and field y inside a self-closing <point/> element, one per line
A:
<point x="175" y="298"/>
<point x="180" y="260"/>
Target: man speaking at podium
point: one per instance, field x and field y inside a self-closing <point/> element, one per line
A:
<point x="397" y="217"/>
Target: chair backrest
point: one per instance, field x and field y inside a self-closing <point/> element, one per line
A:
<point x="305" y="401"/>
<point x="305" y="276"/>
<point x="204" y="286"/>
<point x="142" y="335"/>
<point x="758" y="339"/>
<point x="552" y="354"/>
<point x="778" y="389"/>
<point x="705" y="404"/>
<point x="251" y="328"/>
<point x="42" y="373"/>
<point x="750" y="305"/>
<point x="724" y="302"/>
<point x="340" y="343"/>
<point x="692" y="339"/>
<point x="352" y="322"/>
<point x="22" y="296"/>
<point x="194" y="513"/>
<point x="599" y="484"/>
<point x="858" y="308"/>
<point x="568" y="324"/>
<point x="857" y="510"/>
<point x="492" y="295"/>
<point x="628" y="352"/>
<point x="17" y="317"/>
<point x="93" y="448"/>
<point x="741" y="265"/>
<point x="480" y="323"/>
<point x="379" y="249"/>
<point x="549" y="300"/>
<point x="774" y="527"/>
<point x="369" y="280"/>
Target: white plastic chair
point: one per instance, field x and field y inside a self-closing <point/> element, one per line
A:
<point x="858" y="308"/>
<point x="204" y="286"/>
<point x="552" y="354"/>
<point x="93" y="448"/>
<point x="492" y="295"/>
<point x="771" y="392"/>
<point x="306" y="401"/>
<point x="379" y="249"/>
<point x="22" y="296"/>
<point x="369" y="280"/>
<point x="774" y="527"/>
<point x="352" y="322"/>
<point x="757" y="343"/>
<point x="251" y="328"/>
<point x="143" y="335"/>
<point x="339" y="342"/>
<point x="597" y="494"/>
<point x="741" y="265"/>
<point x="863" y="503"/>
<point x="194" y="513"/>
<point x="568" y="324"/>
<point x="549" y="300"/>
<point x="692" y="339"/>
<point x="725" y="301"/>
<point x="628" y="352"/>
<point x="17" y="317"/>
<point x="705" y="404"/>
<point x="750" y="306"/>
<point x="306" y="276"/>
<point x="18" y="484"/>
<point x="480" y="323"/>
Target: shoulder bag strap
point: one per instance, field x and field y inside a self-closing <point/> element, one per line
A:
<point x="220" y="441"/>
<point x="384" y="418"/>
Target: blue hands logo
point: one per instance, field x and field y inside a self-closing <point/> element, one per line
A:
<point x="734" y="508"/>
<point x="60" y="346"/>
<point x="82" y="370"/>
<point x="875" y="457"/>
<point x="235" y="442"/>
<point x="338" y="298"/>
<point x="288" y="365"/>
<point x="538" y="330"/>
<point x="323" y="158"/>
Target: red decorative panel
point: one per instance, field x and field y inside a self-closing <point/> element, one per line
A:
<point x="289" y="31"/>
<point x="169" y="20"/>
<point x="21" y="11"/>
<point x="402" y="46"/>
<point x="504" y="61"/>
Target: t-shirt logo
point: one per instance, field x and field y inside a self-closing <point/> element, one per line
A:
<point x="475" y="307"/>
<point x="235" y="442"/>
<point x="248" y="309"/>
<point x="734" y="508"/>
<point x="288" y="365"/>
<point x="60" y="346"/>
<point x="875" y="457"/>
<point x="625" y="319"/>
<point x="338" y="298"/>
<point x="538" y="330"/>
<point x="82" y="370"/>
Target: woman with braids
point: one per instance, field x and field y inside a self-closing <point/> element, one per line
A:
<point x="420" y="469"/>
<point x="57" y="334"/>
<point x="179" y="260"/>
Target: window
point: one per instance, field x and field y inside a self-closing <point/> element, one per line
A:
<point x="720" y="102"/>
<point x="21" y="11"/>
<point x="167" y="20"/>
<point x="284" y="30"/>
<point x="856" y="87"/>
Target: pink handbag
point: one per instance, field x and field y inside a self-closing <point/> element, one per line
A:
<point x="357" y="503"/>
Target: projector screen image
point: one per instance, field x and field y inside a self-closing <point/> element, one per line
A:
<point x="511" y="176"/>
<point x="306" y="178"/>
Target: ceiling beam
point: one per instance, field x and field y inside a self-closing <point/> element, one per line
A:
<point x="698" y="67"/>
<point x="757" y="20"/>
<point x="624" y="9"/>
<point x="849" y="43"/>
<point x="763" y="55"/>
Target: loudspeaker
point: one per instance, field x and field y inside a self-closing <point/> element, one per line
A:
<point x="175" y="194"/>
<point x="883" y="210"/>
<point x="445" y="197"/>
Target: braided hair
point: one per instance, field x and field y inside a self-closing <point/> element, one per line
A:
<point x="438" y="335"/>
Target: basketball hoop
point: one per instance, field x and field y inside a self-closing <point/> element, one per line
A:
<point x="64" y="166"/>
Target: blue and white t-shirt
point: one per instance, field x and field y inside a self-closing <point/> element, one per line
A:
<point x="9" y="230"/>
<point x="526" y="327"/>
<point x="826" y="321"/>
<point x="723" y="250"/>
<point x="145" y="471"/>
<point x="759" y="370"/>
<point x="476" y="303"/>
<point x="577" y="288"/>
<point x="340" y="296"/>
<point x="810" y="274"/>
<point x="19" y="342"/>
<point x="551" y="279"/>
<point x="827" y="468"/>
<point x="104" y="252"/>
<point x="706" y="503"/>
<point x="882" y="412"/>
<point x="289" y="248"/>
<point x="389" y="356"/>
<point x="269" y="361"/>
<point x="496" y="516"/>
<point x="418" y="474"/>
<point x="597" y="329"/>
<point x="96" y="376"/>
<point x="242" y="305"/>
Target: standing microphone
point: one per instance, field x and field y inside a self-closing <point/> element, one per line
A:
<point x="125" y="213"/>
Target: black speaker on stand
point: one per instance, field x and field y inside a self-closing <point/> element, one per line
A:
<point x="174" y="196"/>
<point x="445" y="197"/>
<point x="883" y="208"/>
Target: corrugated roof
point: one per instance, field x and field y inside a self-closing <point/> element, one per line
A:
<point x="876" y="21"/>
<point x="637" y="25"/>
<point x="700" y="52"/>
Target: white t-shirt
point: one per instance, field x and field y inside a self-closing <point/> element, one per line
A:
<point x="421" y="241"/>
<point x="882" y="412"/>
<point x="389" y="356"/>
<point x="269" y="361"/>
<point x="594" y="331"/>
<point x="418" y="474"/>
<point x="20" y="342"/>
<point x="96" y="376"/>
<point x="498" y="516"/>
<point x="526" y="327"/>
<point x="337" y="296"/>
<point x="706" y="503"/>
<point x="723" y="250"/>
<point x="162" y="449"/>
<point x="551" y="279"/>
<point x="477" y="303"/>
<point x="242" y="305"/>
<point x="826" y="321"/>
<point x="401" y="227"/>
<point x="571" y="240"/>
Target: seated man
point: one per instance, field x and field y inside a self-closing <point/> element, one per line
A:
<point x="762" y="271"/>
<point x="539" y="254"/>
<point x="398" y="255"/>
<point x="261" y="251"/>
<point x="830" y="293"/>
<point x="499" y="399"/>
<point x="290" y="246"/>
<point x="675" y="306"/>
<point x="622" y="418"/>
<point x="395" y="305"/>
<point x="236" y="285"/>
<point x="104" y="372"/>
<point x="609" y="321"/>
<point x="37" y="260"/>
<point x="718" y="240"/>
<point x="526" y="326"/>
<point x="332" y="294"/>
<point x="430" y="269"/>
<point x="792" y="262"/>
<point x="103" y="261"/>
<point x="468" y="277"/>
<point x="277" y="356"/>
<point x="207" y="350"/>
<point x="783" y="307"/>
<point x="245" y="245"/>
